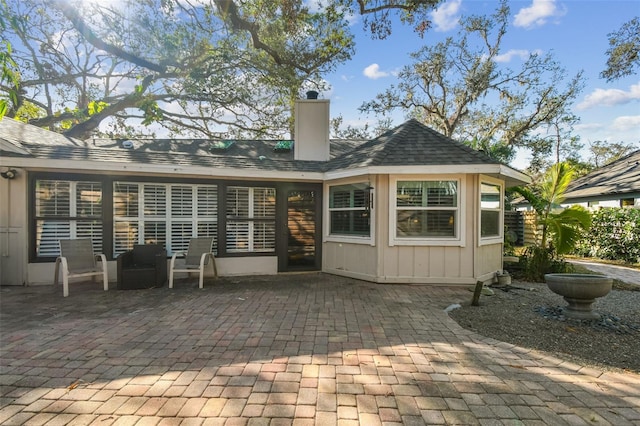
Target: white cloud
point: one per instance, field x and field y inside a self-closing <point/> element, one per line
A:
<point x="373" y="72"/>
<point x="610" y="97"/>
<point x="538" y="13"/>
<point x="446" y="17"/>
<point x="516" y="53"/>
<point x="627" y="122"/>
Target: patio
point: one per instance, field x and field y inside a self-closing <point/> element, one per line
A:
<point x="279" y="350"/>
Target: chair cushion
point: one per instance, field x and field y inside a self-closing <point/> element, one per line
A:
<point x="145" y="254"/>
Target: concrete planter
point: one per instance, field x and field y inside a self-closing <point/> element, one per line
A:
<point x="579" y="291"/>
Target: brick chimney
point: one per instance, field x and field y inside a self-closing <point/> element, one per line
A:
<point x="311" y="133"/>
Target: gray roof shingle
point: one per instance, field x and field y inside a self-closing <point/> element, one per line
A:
<point x="617" y="178"/>
<point x="411" y="143"/>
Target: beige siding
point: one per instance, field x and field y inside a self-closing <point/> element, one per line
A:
<point x="353" y="260"/>
<point x="13" y="230"/>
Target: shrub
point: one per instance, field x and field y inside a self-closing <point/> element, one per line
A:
<point x="614" y="235"/>
<point x="537" y="261"/>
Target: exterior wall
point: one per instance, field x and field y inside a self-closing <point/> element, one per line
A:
<point x="15" y="268"/>
<point x="429" y="264"/>
<point x="13" y="230"/>
<point x="465" y="263"/>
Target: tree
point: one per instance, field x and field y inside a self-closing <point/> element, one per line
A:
<point x="561" y="227"/>
<point x="194" y="68"/>
<point x="603" y="152"/>
<point x="623" y="55"/>
<point x="459" y="87"/>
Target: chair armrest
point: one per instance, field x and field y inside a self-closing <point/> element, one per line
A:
<point x="124" y="259"/>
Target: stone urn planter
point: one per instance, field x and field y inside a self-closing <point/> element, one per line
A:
<point x="579" y="291"/>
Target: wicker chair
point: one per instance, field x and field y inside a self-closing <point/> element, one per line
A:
<point x="78" y="260"/>
<point x="143" y="267"/>
<point x="197" y="257"/>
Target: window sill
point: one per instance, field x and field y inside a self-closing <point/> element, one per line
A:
<point x="351" y="239"/>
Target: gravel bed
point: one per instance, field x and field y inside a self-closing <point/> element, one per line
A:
<point x="530" y="315"/>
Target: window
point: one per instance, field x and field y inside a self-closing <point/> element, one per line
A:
<point x="251" y="223"/>
<point x="490" y="210"/>
<point x="349" y="210"/>
<point x="427" y="209"/>
<point x="167" y="214"/>
<point x="65" y="210"/>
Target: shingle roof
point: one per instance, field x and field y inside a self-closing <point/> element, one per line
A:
<point x="411" y="143"/>
<point x="617" y="178"/>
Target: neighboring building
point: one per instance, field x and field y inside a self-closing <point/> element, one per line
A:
<point x="616" y="184"/>
<point x="411" y="206"/>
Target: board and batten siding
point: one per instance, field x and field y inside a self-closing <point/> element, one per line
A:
<point x="433" y="264"/>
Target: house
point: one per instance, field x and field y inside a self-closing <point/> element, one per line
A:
<point x="616" y="184"/>
<point x="410" y="206"/>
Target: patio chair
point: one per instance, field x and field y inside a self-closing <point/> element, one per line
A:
<point x="78" y="260"/>
<point x="143" y="267"/>
<point x="197" y="257"/>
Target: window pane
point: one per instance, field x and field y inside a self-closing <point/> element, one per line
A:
<point x="53" y="198"/>
<point x="155" y="200"/>
<point x="264" y="236"/>
<point x="126" y="235"/>
<point x="48" y="232"/>
<point x="427" y="194"/>
<point x="237" y="236"/>
<point x="237" y="201"/>
<point x="155" y="233"/>
<point x="181" y="233"/>
<point x="348" y="196"/>
<point x="349" y="209"/>
<point x="88" y="199"/>
<point x="426" y="223"/>
<point x="490" y="196"/>
<point x="125" y="199"/>
<point x="490" y="223"/>
<point x="181" y="201"/>
<point x="350" y="222"/>
<point x="207" y="202"/>
<point x="264" y="202"/>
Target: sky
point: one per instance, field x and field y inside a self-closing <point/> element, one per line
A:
<point x="575" y="31"/>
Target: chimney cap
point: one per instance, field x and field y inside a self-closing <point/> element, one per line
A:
<point x="312" y="94"/>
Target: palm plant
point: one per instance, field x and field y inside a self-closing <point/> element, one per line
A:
<point x="561" y="227"/>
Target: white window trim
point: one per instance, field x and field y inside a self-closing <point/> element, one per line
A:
<point x="458" y="241"/>
<point x="349" y="239"/>
<point x="499" y="239"/>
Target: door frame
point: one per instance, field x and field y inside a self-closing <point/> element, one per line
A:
<point x="282" y="225"/>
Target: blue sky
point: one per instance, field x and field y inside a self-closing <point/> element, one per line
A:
<point x="574" y="30"/>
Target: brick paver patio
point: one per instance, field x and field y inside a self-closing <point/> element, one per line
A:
<point x="287" y="350"/>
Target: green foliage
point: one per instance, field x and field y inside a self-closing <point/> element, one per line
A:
<point x="561" y="227"/>
<point x="624" y="51"/>
<point x="614" y="235"/>
<point x="537" y="261"/>
<point x="448" y="84"/>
